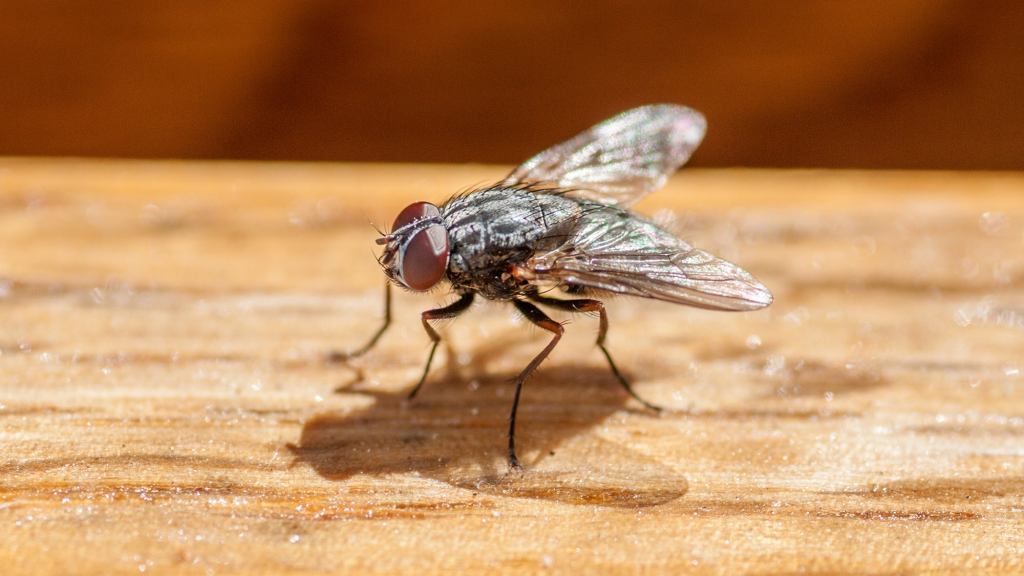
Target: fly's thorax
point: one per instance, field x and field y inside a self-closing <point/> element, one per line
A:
<point x="494" y="230"/>
<point x="498" y="220"/>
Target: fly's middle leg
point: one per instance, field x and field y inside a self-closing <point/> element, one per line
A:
<point x="450" y="311"/>
<point x="535" y="315"/>
<point x="589" y="305"/>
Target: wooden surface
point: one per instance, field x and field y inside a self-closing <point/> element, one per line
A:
<point x="165" y="406"/>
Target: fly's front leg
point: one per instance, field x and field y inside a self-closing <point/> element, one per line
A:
<point x="450" y="311"/>
<point x="588" y="305"/>
<point x="341" y="356"/>
<point x="533" y="314"/>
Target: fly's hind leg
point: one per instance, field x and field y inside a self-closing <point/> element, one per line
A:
<point x="535" y="315"/>
<point x="450" y="311"/>
<point x="589" y="305"/>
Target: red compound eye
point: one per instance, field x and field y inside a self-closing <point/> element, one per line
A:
<point x="425" y="257"/>
<point x="415" y="211"/>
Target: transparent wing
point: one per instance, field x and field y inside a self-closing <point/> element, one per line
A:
<point x="615" y="251"/>
<point x="622" y="159"/>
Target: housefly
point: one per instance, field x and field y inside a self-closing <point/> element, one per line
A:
<point x="561" y="221"/>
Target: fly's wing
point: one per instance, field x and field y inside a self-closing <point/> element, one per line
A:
<point x="620" y="160"/>
<point x="615" y="251"/>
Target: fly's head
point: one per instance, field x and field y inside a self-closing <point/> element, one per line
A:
<point x="416" y="251"/>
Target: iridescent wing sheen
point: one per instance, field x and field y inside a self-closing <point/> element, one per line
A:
<point x="615" y="251"/>
<point x="620" y="160"/>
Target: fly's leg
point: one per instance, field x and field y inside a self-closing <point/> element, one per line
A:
<point x="588" y="305"/>
<point x="450" y="311"/>
<point x="533" y="314"/>
<point x="341" y="356"/>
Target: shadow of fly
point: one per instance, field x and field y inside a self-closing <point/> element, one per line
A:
<point x="561" y="221"/>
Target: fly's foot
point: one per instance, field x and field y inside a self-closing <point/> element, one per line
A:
<point x="338" y="357"/>
<point x="657" y="409"/>
<point x="513" y="464"/>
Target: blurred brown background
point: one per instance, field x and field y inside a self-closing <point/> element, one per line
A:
<point x="868" y="83"/>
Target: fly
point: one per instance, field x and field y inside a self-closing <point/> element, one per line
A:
<point x="561" y="220"/>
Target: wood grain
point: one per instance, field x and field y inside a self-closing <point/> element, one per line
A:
<point x="165" y="405"/>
